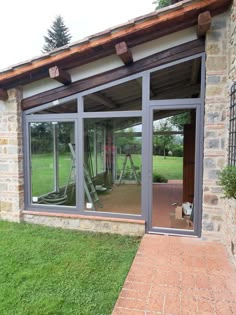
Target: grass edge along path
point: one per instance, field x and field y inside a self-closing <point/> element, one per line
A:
<point x="50" y="271"/>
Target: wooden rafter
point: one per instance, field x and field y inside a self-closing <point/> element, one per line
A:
<point x="204" y="23"/>
<point x="59" y="75"/>
<point x="158" y="59"/>
<point x="124" y="53"/>
<point x="101" y="99"/>
<point x="3" y="95"/>
<point x="195" y="70"/>
<point x="139" y="84"/>
<point x="179" y="92"/>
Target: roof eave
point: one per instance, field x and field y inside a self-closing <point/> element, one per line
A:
<point x="143" y="29"/>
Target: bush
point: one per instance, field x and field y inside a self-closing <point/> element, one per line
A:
<point x="158" y="178"/>
<point x="177" y="150"/>
<point x="227" y="180"/>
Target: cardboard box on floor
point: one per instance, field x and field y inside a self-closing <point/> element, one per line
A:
<point x="178" y="212"/>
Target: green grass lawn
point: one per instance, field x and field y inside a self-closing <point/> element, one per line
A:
<point x="42" y="169"/>
<point x="46" y="271"/>
<point x="171" y="167"/>
<point x="42" y="172"/>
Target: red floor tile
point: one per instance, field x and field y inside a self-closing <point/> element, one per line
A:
<point x="178" y="276"/>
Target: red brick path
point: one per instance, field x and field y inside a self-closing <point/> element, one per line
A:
<point x="178" y="276"/>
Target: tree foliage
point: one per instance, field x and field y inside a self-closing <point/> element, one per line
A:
<point x="127" y="142"/>
<point x="161" y="3"/>
<point x="180" y="120"/>
<point x="163" y="141"/>
<point x="58" y="35"/>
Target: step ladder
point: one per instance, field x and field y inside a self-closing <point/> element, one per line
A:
<point x="71" y="178"/>
<point x="89" y="188"/>
<point x="128" y="157"/>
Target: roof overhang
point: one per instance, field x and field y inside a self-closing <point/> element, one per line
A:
<point x="143" y="29"/>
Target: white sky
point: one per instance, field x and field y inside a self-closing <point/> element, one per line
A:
<point x="23" y="23"/>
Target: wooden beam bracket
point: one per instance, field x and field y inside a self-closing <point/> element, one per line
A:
<point x="60" y="75"/>
<point x="204" y="23"/>
<point x="3" y="95"/>
<point x="124" y="53"/>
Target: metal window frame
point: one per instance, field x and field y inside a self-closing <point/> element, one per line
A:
<point x="145" y="113"/>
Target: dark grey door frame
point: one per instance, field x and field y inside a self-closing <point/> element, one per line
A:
<point x="148" y="108"/>
<point x="170" y="105"/>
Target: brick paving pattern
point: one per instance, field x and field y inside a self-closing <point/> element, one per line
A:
<point x="178" y="276"/>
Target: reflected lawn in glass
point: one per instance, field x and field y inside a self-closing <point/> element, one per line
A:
<point x="42" y="172"/>
<point x="170" y="167"/>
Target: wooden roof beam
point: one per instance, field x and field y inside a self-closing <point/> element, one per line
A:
<point x="178" y="92"/>
<point x="59" y="75"/>
<point x="139" y="84"/>
<point x="124" y="53"/>
<point x="195" y="70"/>
<point x="101" y="99"/>
<point x="204" y="23"/>
<point x="158" y="59"/>
<point x="3" y="95"/>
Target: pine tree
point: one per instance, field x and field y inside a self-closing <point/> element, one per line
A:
<point x="161" y="3"/>
<point x="58" y="35"/>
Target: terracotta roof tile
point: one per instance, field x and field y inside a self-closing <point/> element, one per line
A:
<point x="113" y="29"/>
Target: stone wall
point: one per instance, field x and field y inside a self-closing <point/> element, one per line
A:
<point x="11" y="157"/>
<point x="229" y="228"/>
<point x="215" y="132"/>
<point x="219" y="215"/>
<point x="229" y="210"/>
<point x="86" y="223"/>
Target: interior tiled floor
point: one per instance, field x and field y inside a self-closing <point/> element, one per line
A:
<point x="164" y="196"/>
<point x="178" y="276"/>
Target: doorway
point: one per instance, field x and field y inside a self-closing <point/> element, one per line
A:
<point x="174" y="204"/>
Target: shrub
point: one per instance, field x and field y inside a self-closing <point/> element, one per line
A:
<point x="227" y="180"/>
<point x="177" y="150"/>
<point x="158" y="178"/>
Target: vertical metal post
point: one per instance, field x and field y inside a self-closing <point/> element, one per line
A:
<point x="95" y="151"/>
<point x="79" y="152"/>
<point x="146" y="171"/>
<point x="55" y="156"/>
<point x="27" y="160"/>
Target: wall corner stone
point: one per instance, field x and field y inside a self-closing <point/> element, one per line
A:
<point x="11" y="157"/>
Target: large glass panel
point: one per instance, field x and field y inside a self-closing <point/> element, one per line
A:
<point x="52" y="163"/>
<point x="96" y="143"/>
<point x="177" y="81"/>
<point x="173" y="169"/>
<point x="116" y="186"/>
<point x="122" y="97"/>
